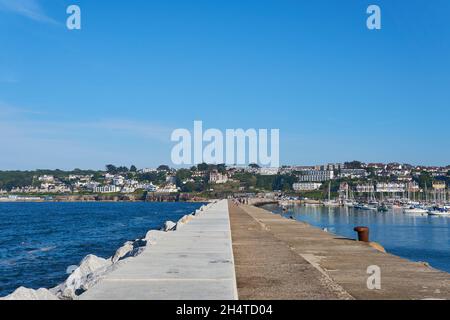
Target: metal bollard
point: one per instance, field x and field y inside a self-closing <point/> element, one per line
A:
<point x="363" y="233"/>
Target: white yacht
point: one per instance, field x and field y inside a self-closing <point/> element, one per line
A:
<point x="437" y="211"/>
<point x="415" y="211"/>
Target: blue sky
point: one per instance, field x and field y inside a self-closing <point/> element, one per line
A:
<point x="114" y="91"/>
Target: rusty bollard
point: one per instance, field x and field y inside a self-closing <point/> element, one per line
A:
<point x="363" y="233"/>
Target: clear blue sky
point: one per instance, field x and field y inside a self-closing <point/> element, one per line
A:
<point x="114" y="91"/>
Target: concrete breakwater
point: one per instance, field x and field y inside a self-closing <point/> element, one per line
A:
<point x="194" y="263"/>
<point x="93" y="268"/>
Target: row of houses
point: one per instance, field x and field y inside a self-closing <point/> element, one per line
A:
<point x="388" y="187"/>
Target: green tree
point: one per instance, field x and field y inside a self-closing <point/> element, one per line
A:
<point x="222" y="168"/>
<point x="283" y="182"/>
<point x="183" y="174"/>
<point x="202" y="167"/>
<point x="111" y="169"/>
<point x="133" y="168"/>
<point x="254" y="166"/>
<point x="425" y="180"/>
<point x="164" y="167"/>
<point x="353" y="165"/>
<point x="122" y="169"/>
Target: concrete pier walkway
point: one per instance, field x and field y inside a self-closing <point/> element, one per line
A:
<point x="194" y="262"/>
<point x="279" y="258"/>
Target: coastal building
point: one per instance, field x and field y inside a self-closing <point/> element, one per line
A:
<point x="293" y="169"/>
<point x="306" y="186"/>
<point x="198" y="174"/>
<point x="391" y="187"/>
<point x="413" y="187"/>
<point x="365" y="188"/>
<point x="316" y="176"/>
<point x="268" y="171"/>
<point x="353" y="173"/>
<point x="109" y="176"/>
<point x="118" y="181"/>
<point x="171" y="179"/>
<point x="107" y="189"/>
<point x="405" y="178"/>
<point x="128" y="189"/>
<point x="89" y="185"/>
<point x="376" y="165"/>
<point x="169" y="188"/>
<point x="439" y="185"/>
<point x="217" y="177"/>
<point x="344" y="190"/>
<point x="46" y="178"/>
<point x="334" y="166"/>
<point x="150" y="187"/>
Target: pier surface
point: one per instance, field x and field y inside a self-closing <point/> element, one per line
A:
<point x="194" y="262"/>
<point x="279" y="258"/>
<point x="229" y="252"/>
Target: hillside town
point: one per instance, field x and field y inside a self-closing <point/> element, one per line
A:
<point x="319" y="181"/>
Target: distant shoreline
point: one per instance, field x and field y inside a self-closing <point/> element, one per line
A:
<point x="74" y="200"/>
<point x="105" y="201"/>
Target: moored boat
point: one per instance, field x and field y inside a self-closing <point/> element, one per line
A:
<point x="415" y="211"/>
<point x="438" y="211"/>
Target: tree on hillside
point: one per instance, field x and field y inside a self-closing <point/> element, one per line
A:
<point x="425" y="180"/>
<point x="111" y="169"/>
<point x="133" y="168"/>
<point x="183" y="174"/>
<point x="164" y="167"/>
<point x="222" y="168"/>
<point x="353" y="165"/>
<point x="283" y="183"/>
<point x="202" y="167"/>
<point x="254" y="166"/>
<point x="122" y="169"/>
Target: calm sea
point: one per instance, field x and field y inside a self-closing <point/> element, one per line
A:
<point x="414" y="237"/>
<point x="38" y="241"/>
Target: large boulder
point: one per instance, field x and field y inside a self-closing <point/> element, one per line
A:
<point x="153" y="236"/>
<point x="129" y="249"/>
<point x="84" y="277"/>
<point x="122" y="252"/>
<point x="184" y="220"/>
<point x="169" y="226"/>
<point x="23" y="294"/>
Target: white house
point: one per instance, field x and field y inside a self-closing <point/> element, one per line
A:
<point x="306" y="186"/>
<point x="217" y="177"/>
<point x="107" y="189"/>
<point x="316" y="176"/>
